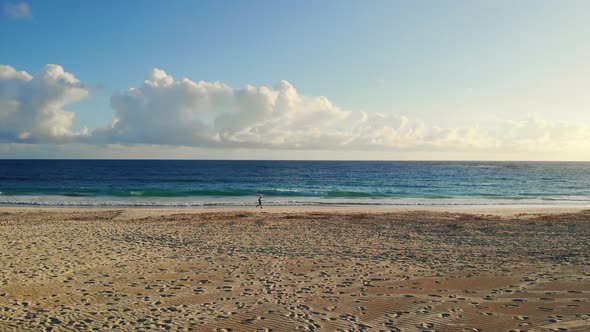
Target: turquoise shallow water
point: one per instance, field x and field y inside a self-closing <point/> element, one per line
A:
<point x="238" y="183"/>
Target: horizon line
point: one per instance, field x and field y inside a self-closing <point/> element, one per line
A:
<point x="321" y="160"/>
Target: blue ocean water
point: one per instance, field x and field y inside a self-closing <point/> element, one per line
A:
<point x="285" y="183"/>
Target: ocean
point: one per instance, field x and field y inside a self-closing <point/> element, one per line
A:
<point x="202" y="183"/>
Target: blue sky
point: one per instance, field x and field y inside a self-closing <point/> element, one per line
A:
<point x="452" y="65"/>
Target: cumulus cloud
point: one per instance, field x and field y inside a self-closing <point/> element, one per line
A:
<point x="31" y="107"/>
<point x="18" y="10"/>
<point x="183" y="112"/>
<point x="166" y="111"/>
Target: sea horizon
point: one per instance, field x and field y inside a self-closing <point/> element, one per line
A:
<point x="321" y="160"/>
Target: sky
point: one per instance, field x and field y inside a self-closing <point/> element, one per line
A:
<point x="380" y="80"/>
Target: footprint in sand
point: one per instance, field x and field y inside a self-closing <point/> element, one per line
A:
<point x="555" y="319"/>
<point x="424" y="325"/>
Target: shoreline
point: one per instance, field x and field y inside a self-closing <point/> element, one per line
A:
<point x="501" y="211"/>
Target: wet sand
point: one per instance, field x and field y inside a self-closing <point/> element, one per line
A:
<point x="294" y="270"/>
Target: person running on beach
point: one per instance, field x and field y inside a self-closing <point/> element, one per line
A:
<point x="259" y="202"/>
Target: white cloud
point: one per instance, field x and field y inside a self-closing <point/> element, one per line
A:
<point x="164" y="111"/>
<point x="183" y="112"/>
<point x="31" y="107"/>
<point x="18" y="10"/>
<point x="538" y="135"/>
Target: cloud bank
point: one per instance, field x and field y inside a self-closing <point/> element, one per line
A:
<point x="181" y="112"/>
<point x="164" y="110"/>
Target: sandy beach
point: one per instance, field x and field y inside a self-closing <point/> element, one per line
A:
<point x="294" y="269"/>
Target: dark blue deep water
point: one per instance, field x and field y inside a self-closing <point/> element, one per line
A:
<point x="221" y="183"/>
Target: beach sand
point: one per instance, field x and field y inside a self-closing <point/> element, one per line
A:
<point x="285" y="269"/>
